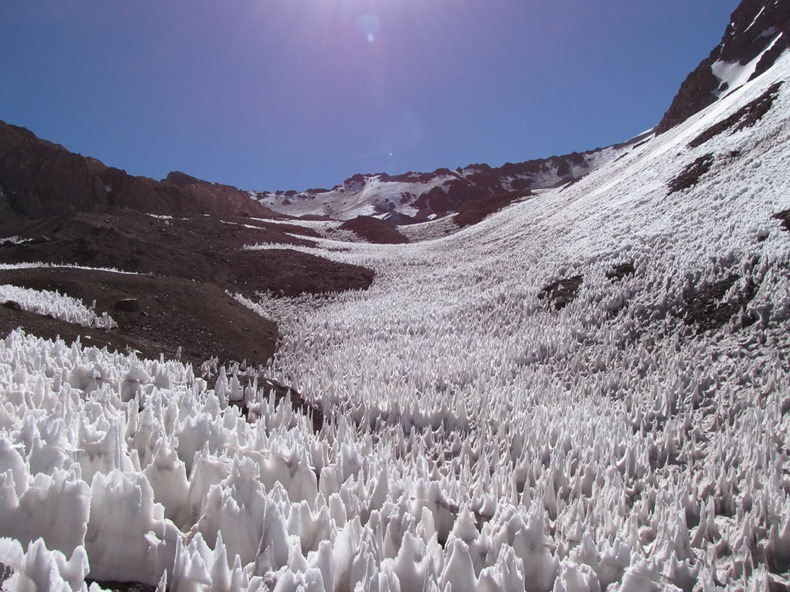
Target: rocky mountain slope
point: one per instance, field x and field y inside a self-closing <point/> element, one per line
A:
<point x="417" y="197"/>
<point x="181" y="271"/>
<point x="39" y="179"/>
<point x="758" y="33"/>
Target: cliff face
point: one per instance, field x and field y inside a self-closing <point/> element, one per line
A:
<point x="39" y="179"/>
<point x="758" y="28"/>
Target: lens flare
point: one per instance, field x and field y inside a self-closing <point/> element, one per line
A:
<point x="367" y="26"/>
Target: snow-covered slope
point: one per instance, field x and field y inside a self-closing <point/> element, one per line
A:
<point x="423" y="196"/>
<point x="586" y="390"/>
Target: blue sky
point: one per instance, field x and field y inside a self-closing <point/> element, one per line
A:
<point x="291" y="94"/>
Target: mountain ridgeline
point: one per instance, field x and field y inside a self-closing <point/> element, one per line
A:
<point x="40" y="179"/>
<point x="756" y="35"/>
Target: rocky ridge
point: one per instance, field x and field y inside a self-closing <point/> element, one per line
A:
<point x="756" y="36"/>
<point x="417" y="197"/>
<point x="40" y="179"/>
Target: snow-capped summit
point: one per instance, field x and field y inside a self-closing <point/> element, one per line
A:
<point x="758" y="33"/>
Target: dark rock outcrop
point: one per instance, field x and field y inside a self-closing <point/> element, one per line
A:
<point x="127" y="305"/>
<point x="746" y="116"/>
<point x="784" y="218"/>
<point x="374" y="230"/>
<point x="754" y="26"/>
<point x="709" y="310"/>
<point x="201" y="248"/>
<point x="620" y="271"/>
<point x="201" y="319"/>
<point x="39" y="179"/>
<point x="691" y="174"/>
<point x="12" y="305"/>
<point x="561" y="293"/>
<point x="472" y="212"/>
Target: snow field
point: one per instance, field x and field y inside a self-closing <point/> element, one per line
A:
<point x="475" y="438"/>
<point x="451" y="345"/>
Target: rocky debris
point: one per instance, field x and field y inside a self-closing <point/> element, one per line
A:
<point x="202" y="248"/>
<point x="690" y="175"/>
<point x="180" y="273"/>
<point x="620" y="271"/>
<point x="561" y="292"/>
<point x="754" y="25"/>
<point x="475" y="211"/>
<point x="374" y="230"/>
<point x="200" y="319"/>
<point x="744" y="117"/>
<point x="127" y="305"/>
<point x="40" y="179"/>
<point x="6" y="571"/>
<point x="12" y="305"/>
<point x="197" y="320"/>
<point x="708" y="310"/>
<point x="784" y="218"/>
<point x="193" y="322"/>
<point x="290" y="273"/>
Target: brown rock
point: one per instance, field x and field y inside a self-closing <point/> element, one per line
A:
<point x="561" y="292"/>
<point x="12" y="305"/>
<point x="127" y="305"/>
<point x="753" y="26"/>
<point x="39" y="179"/>
<point x="374" y="230"/>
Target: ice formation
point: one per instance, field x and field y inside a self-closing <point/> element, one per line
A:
<point x="476" y="437"/>
<point x="57" y="305"/>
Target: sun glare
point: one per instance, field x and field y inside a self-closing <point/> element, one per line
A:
<point x="367" y="26"/>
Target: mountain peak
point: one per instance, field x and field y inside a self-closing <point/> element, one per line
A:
<point x="757" y="35"/>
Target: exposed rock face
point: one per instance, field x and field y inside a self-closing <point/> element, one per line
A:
<point x="561" y="292"/>
<point x="374" y="230"/>
<point x="473" y="212"/>
<point x="39" y="179"/>
<point x="754" y="26"/>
